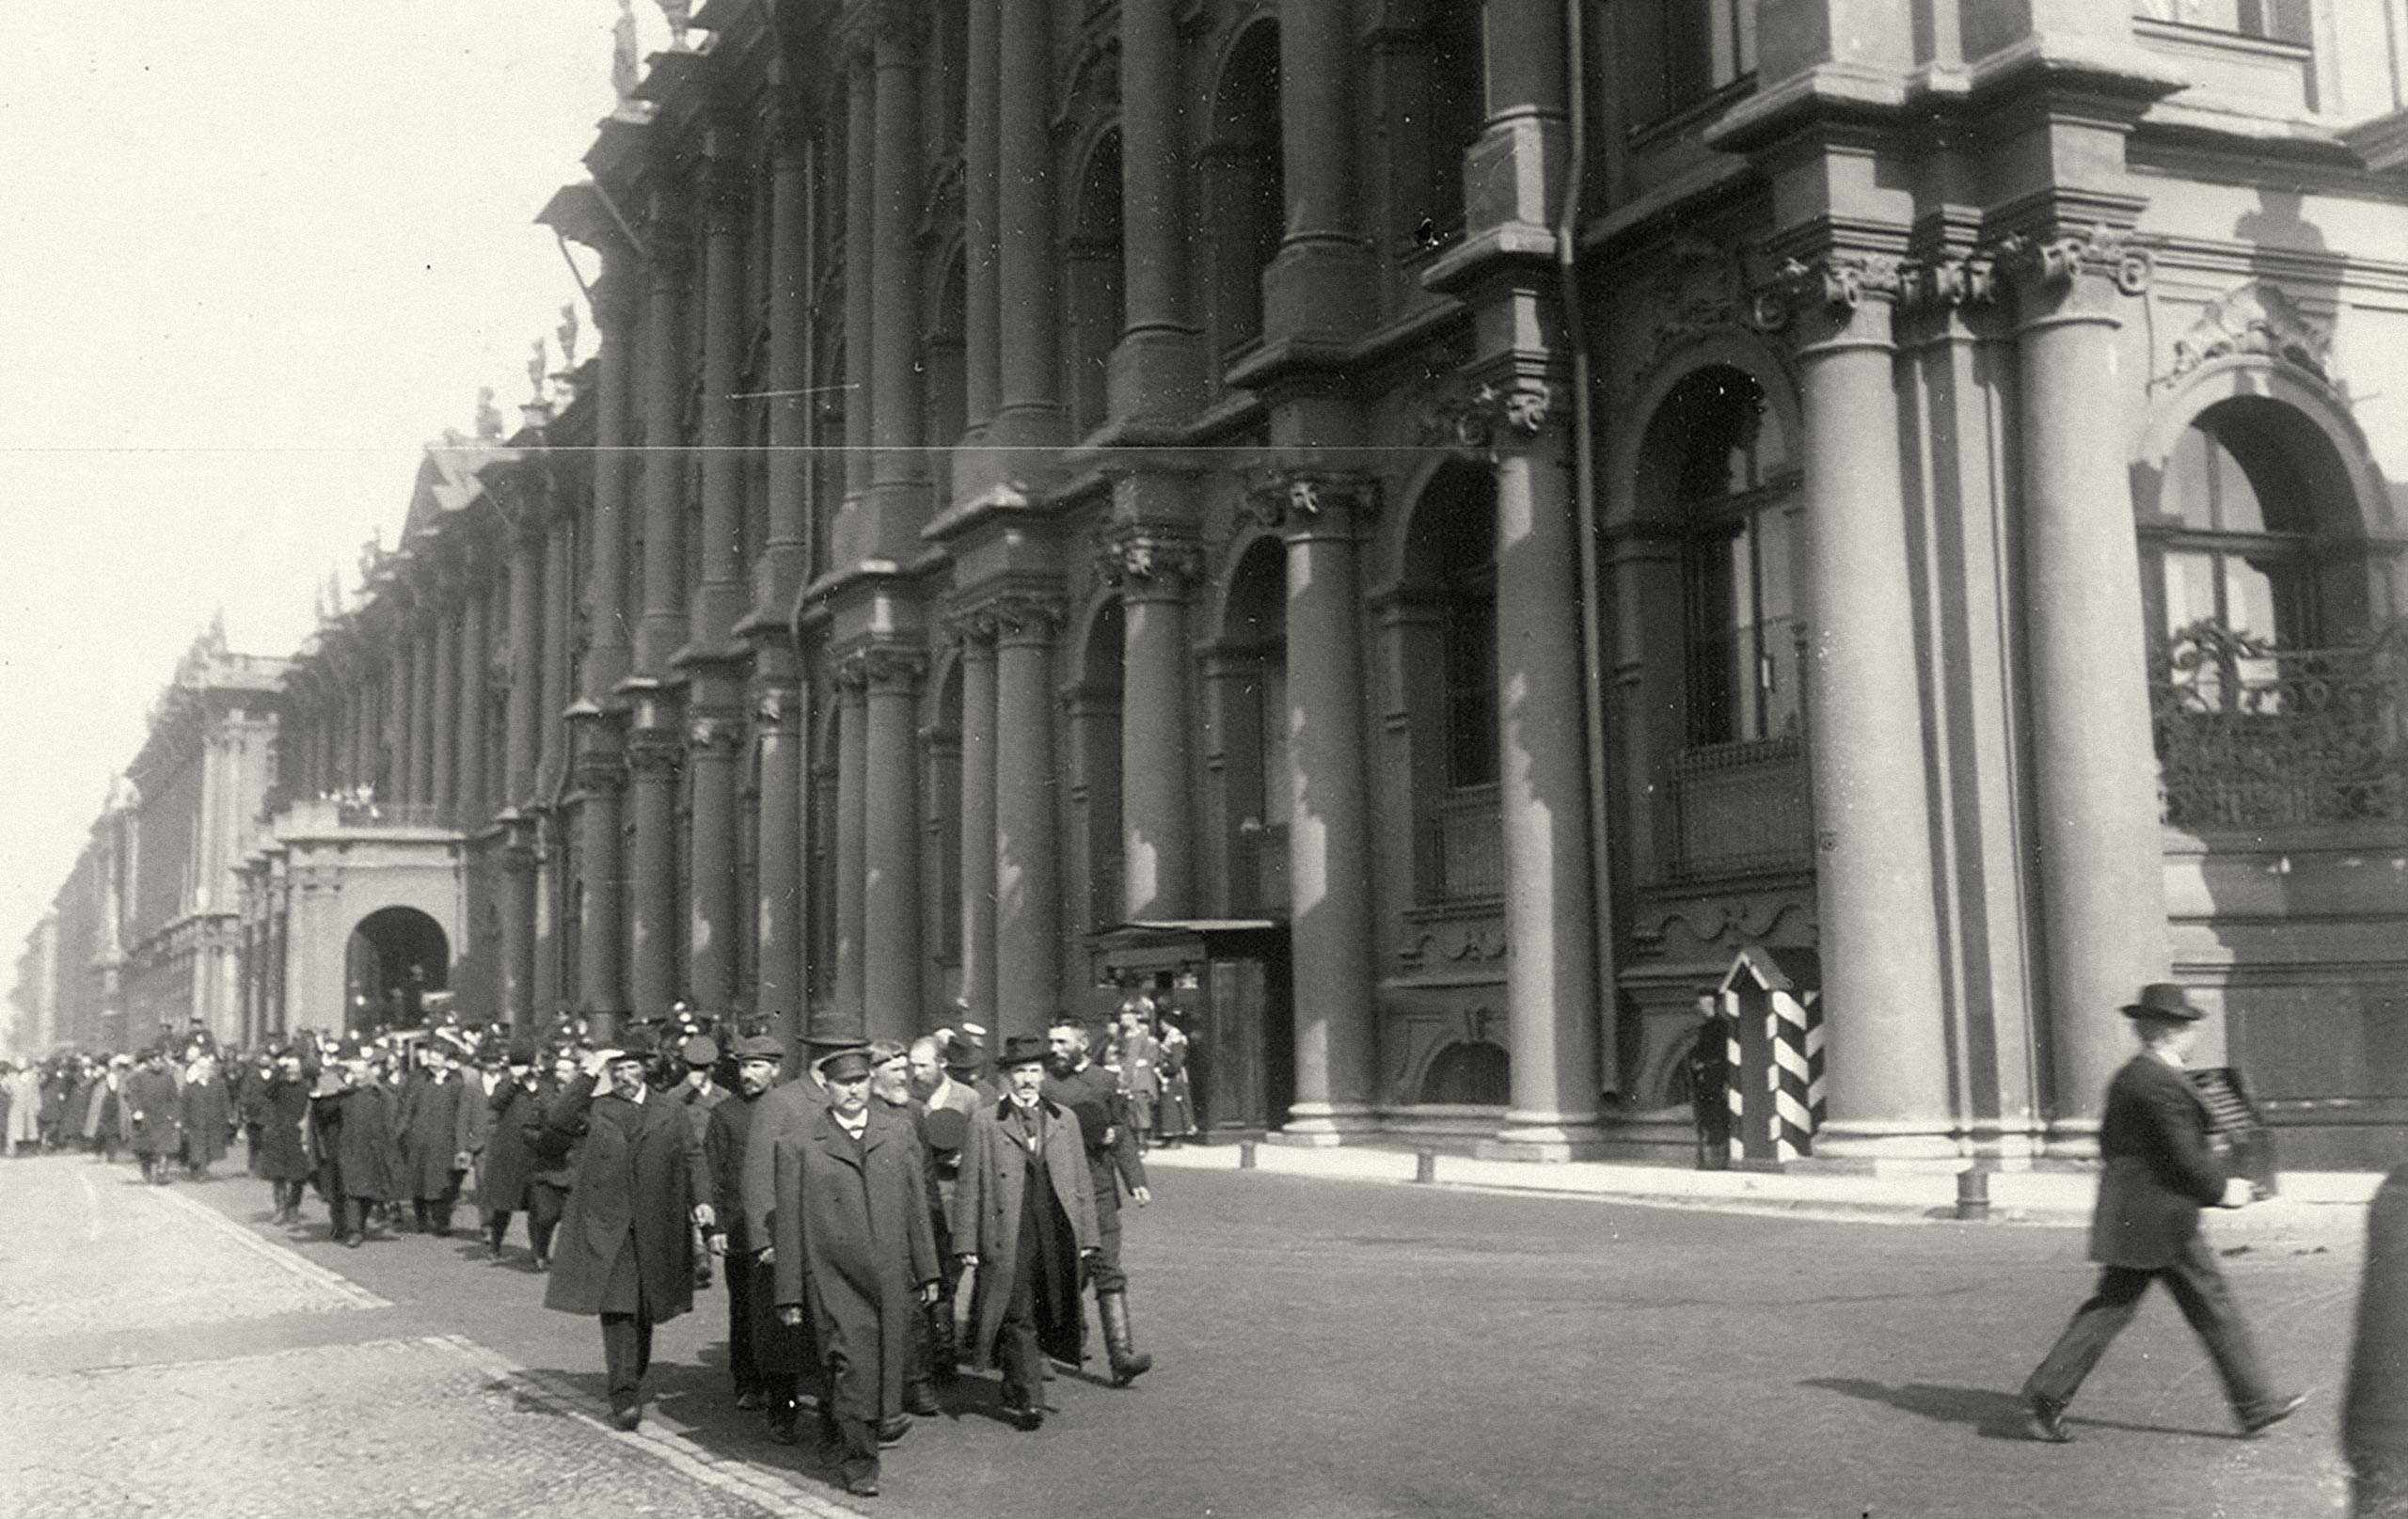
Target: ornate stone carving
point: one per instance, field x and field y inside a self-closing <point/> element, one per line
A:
<point x="2257" y="318"/>
<point x="1949" y="281"/>
<point x="1140" y="559"/>
<point x="969" y="626"/>
<point x="654" y="753"/>
<point x="1494" y="414"/>
<point x="680" y="15"/>
<point x="719" y="733"/>
<point x="1025" y="616"/>
<point x="889" y="666"/>
<point x="1288" y="498"/>
<point x="1838" y="281"/>
<point x="851" y="676"/>
<point x="2056" y="261"/>
<point x="1703" y="288"/>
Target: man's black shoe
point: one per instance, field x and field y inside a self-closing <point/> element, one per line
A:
<point x="893" y="1429"/>
<point x="918" y="1399"/>
<point x="2274" y="1414"/>
<point x="861" y="1487"/>
<point x="628" y="1418"/>
<point x="1024" y="1417"/>
<point x="2045" y="1418"/>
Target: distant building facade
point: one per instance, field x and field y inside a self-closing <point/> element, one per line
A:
<point x="1507" y="504"/>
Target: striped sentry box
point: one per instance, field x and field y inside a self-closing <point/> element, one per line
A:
<point x="1773" y="1005"/>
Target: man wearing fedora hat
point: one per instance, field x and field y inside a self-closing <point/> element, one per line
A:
<point x="625" y="1249"/>
<point x="2159" y="1173"/>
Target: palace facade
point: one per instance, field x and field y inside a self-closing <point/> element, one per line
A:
<point x="1420" y="529"/>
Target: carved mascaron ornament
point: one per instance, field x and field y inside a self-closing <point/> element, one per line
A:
<point x="1144" y="558"/>
<point x="2256" y="319"/>
<point x="1293" y="499"/>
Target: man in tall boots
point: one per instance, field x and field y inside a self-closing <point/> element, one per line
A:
<point x="2153" y="1139"/>
<point x="854" y="1254"/>
<point x="757" y="1059"/>
<point x="626" y="1247"/>
<point x="1025" y="1221"/>
<point x="1075" y="1082"/>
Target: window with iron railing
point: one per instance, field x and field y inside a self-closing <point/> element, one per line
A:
<point x="2251" y="735"/>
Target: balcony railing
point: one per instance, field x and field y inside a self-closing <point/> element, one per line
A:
<point x="2252" y="735"/>
<point x="1463" y="840"/>
<point x="1740" y="808"/>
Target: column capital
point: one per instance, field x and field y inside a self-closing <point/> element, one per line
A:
<point x="1495" y="414"/>
<point x="1149" y="560"/>
<point x="777" y="705"/>
<point x="600" y="769"/>
<point x="654" y="753"/>
<point x="1834" y="281"/>
<point x="714" y="735"/>
<point x="971" y="628"/>
<point x="2054" y="262"/>
<point x="1026" y="618"/>
<point x="1312" y="502"/>
<point x="892" y="669"/>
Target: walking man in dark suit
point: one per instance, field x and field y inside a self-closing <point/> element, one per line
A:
<point x="2159" y="1174"/>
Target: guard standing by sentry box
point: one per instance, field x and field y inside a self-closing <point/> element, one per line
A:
<point x="1772" y="1000"/>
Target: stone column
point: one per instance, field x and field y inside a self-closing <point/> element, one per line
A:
<point x="469" y="770"/>
<point x="1551" y="990"/>
<point x="891" y="968"/>
<point x="2096" y="832"/>
<point x="524" y="636"/>
<point x="860" y="239"/>
<point x="1886" y="1079"/>
<point x="655" y="750"/>
<point x="789" y="545"/>
<point x="980" y="199"/>
<point x="552" y="820"/>
<point x="1323" y="280"/>
<point x="596" y="717"/>
<point x="601" y="987"/>
<point x="444" y="789"/>
<point x="1031" y="412"/>
<point x="1158" y="371"/>
<point x="401" y="687"/>
<point x="712" y="657"/>
<point x="1155" y="573"/>
<point x="777" y="734"/>
<point x="663" y="626"/>
<point x="518" y="968"/>
<point x="852" y="779"/>
<point x="899" y="475"/>
<point x="1322" y="518"/>
<point x="978" y="751"/>
<point x="1028" y="892"/>
<point x="424" y="683"/>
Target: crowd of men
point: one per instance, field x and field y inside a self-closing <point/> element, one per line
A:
<point x="885" y="1216"/>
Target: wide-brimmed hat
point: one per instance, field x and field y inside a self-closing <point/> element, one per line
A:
<point x="2164" y="1001"/>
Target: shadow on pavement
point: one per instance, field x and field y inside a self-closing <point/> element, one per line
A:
<point x="1992" y="1414"/>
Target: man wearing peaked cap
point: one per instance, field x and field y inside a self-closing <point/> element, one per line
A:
<point x="786" y="1351"/>
<point x="697" y="1094"/>
<point x="2159" y="1173"/>
<point x="758" y="1060"/>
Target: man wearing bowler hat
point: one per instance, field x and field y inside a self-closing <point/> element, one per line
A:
<point x="624" y="1251"/>
<point x="2153" y="1139"/>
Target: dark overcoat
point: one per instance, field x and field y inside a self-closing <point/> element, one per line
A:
<point x="785" y="1111"/>
<point x="282" y="1110"/>
<point x="987" y="1217"/>
<point x="509" y="1161"/>
<point x="640" y="1172"/>
<point x="852" y="1247"/>
<point x="204" y="1121"/>
<point x="357" y="1141"/>
<point x="551" y="1158"/>
<point x="436" y="1124"/>
<point x="2153" y="1139"/>
<point x="157" y="1109"/>
<point x="1090" y="1092"/>
<point x="103" y="1110"/>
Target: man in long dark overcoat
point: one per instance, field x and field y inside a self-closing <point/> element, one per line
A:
<point x="281" y="1141"/>
<point x="1025" y="1221"/>
<point x="506" y="1184"/>
<point x="626" y="1247"/>
<point x="785" y="1352"/>
<point x="1093" y="1095"/>
<point x="157" y="1109"/>
<point x="750" y="1290"/>
<point x="551" y="1159"/>
<point x="439" y="1124"/>
<point x="359" y="1158"/>
<point x="854" y="1254"/>
<point x="2159" y="1173"/>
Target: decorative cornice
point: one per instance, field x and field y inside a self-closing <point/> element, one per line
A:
<point x="1285" y="499"/>
<point x="1137" y="558"/>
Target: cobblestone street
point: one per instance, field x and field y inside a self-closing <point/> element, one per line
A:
<point x="1326" y="1349"/>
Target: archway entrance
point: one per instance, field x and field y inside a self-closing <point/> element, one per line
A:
<point x="394" y="958"/>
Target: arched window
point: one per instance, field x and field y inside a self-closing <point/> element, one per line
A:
<point x="1248" y="672"/>
<point x="1450" y="575"/>
<point x="1098" y="296"/>
<point x="1244" y="200"/>
<point x="1736" y="490"/>
<point x="2243" y="554"/>
<point x="948" y="384"/>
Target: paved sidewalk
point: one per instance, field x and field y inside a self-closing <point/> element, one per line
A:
<point x="2312" y="1204"/>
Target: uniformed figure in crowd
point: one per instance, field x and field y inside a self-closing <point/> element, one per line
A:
<point x="551" y="1160"/>
<point x="947" y="1106"/>
<point x="1075" y="1082"/>
<point x="2374" y="1411"/>
<point x="626" y="1250"/>
<point x="697" y="1094"/>
<point x="359" y="1162"/>
<point x="506" y="1179"/>
<point x="280" y="1143"/>
<point x="854" y="1255"/>
<point x="791" y="1365"/>
<point x="2159" y="1173"/>
<point x="1024" y="1222"/>
<point x="1708" y="1065"/>
<point x="157" y="1108"/>
<point x="1136" y="1054"/>
<point x="1175" y="1111"/>
<point x="750" y="1293"/>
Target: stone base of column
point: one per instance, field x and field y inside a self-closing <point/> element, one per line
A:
<point x="1886" y="1147"/>
<point x="1548" y="1138"/>
<point x="1321" y="1125"/>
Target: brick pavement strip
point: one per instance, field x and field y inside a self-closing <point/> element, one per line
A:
<point x="102" y="1281"/>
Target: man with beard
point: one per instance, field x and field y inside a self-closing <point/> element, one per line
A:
<point x="1025" y="1219"/>
<point x="156" y="1107"/>
<point x="360" y="1161"/>
<point x="437" y="1128"/>
<point x="947" y="1108"/>
<point x="853" y="1252"/>
<point x="890" y="1088"/>
<point x="1075" y="1082"/>
<point x="626" y="1245"/>
<point x="508" y="1179"/>
<point x="281" y="1133"/>
<point x="757" y="1059"/>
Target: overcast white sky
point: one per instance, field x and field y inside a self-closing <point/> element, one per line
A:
<point x="252" y="258"/>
